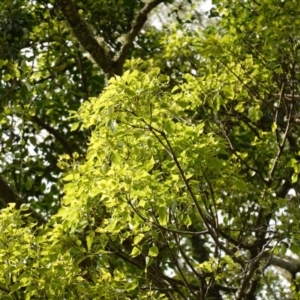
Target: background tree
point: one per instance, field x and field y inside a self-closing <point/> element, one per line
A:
<point x="41" y="61"/>
<point x="178" y="178"/>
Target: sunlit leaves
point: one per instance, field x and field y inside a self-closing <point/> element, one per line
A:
<point x="255" y="113"/>
<point x="153" y="251"/>
<point x="135" y="252"/>
<point x="24" y="253"/>
<point x="6" y="77"/>
<point x="144" y="156"/>
<point x="187" y="149"/>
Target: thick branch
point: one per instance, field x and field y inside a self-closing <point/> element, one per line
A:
<point x="246" y="282"/>
<point x="138" y="24"/>
<point x="7" y="195"/>
<point x="85" y="36"/>
<point x="90" y="44"/>
<point x="291" y="266"/>
<point x="69" y="149"/>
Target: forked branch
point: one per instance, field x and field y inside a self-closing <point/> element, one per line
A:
<point x="110" y="66"/>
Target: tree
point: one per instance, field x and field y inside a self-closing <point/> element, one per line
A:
<point x="180" y="179"/>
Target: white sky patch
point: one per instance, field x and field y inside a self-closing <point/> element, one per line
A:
<point x="206" y="6"/>
<point x="158" y="21"/>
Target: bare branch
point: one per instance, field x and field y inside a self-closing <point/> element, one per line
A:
<point x="83" y="76"/>
<point x="84" y="35"/>
<point x="247" y="280"/>
<point x="68" y="148"/>
<point x="135" y="29"/>
<point x="290" y="265"/>
<point x="98" y="52"/>
<point x="282" y="144"/>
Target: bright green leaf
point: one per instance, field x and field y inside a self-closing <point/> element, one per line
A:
<point x="153" y="251"/>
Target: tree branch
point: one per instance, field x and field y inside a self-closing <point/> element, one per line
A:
<point x="7" y="195"/>
<point x="69" y="149"/>
<point x="138" y="24"/>
<point x="85" y="36"/>
<point x="98" y="52"/>
<point x="292" y="266"/>
<point x="282" y="143"/>
<point x="242" y="292"/>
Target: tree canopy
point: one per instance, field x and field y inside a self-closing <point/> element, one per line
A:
<point x="149" y="162"/>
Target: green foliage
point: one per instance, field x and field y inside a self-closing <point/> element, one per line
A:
<point x="44" y="264"/>
<point x="172" y="181"/>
